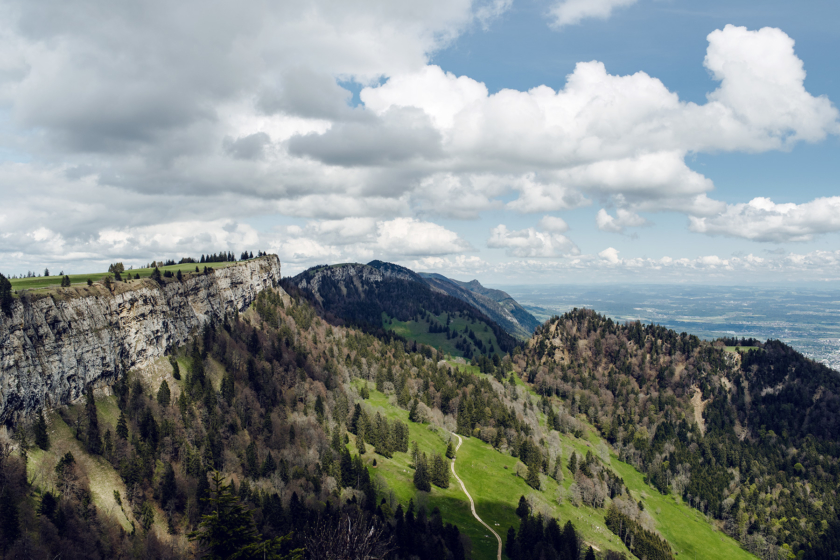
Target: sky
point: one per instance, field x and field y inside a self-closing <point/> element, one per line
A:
<point x="514" y="141"/>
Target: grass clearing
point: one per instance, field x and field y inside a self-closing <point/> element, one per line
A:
<point x="734" y="349"/>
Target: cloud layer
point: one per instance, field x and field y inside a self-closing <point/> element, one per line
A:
<point x="159" y="129"/>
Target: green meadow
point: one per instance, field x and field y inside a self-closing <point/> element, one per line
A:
<point x="419" y="331"/>
<point x="49" y="282"/>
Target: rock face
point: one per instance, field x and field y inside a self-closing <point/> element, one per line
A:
<point x="53" y="346"/>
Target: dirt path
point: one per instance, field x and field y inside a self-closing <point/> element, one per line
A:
<point x="472" y="503"/>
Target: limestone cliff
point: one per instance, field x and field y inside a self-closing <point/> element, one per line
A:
<point x="56" y="344"/>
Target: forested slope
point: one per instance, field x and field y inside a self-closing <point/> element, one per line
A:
<point x="764" y="459"/>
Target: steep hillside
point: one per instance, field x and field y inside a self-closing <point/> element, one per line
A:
<point x="380" y="297"/>
<point x="56" y="343"/>
<point x="749" y="438"/>
<point x="317" y="427"/>
<point x="496" y="304"/>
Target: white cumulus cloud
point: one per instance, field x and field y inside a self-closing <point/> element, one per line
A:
<point x="570" y="12"/>
<point x="620" y="222"/>
<point x="531" y="243"/>
<point x="763" y="220"/>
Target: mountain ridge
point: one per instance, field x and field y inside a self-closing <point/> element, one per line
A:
<point x="376" y="294"/>
<point x="496" y="304"/>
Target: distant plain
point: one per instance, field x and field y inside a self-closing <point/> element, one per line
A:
<point x="808" y="319"/>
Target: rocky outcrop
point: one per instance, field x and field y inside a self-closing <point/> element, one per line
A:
<point x="54" y="345"/>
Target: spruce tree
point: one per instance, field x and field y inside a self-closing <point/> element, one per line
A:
<point x="573" y="463"/>
<point x="9" y="519"/>
<point x="404" y="396"/>
<point x="523" y="509"/>
<point x="421" y="474"/>
<point x="168" y="486"/>
<point x="510" y="542"/>
<point x="533" y="477"/>
<point x="94" y="439"/>
<point x="163" y="394"/>
<point x="450" y="450"/>
<point x="227" y="530"/>
<point x="441" y="472"/>
<point x="227" y="388"/>
<point x="122" y="426"/>
<point x="42" y="437"/>
<point x="335" y="442"/>
<point x="6" y="297"/>
<point x="360" y="440"/>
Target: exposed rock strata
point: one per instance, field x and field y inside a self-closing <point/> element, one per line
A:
<point x="54" y="345"/>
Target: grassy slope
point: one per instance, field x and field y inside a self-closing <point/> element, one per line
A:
<point x="104" y="479"/>
<point x="81" y="279"/>
<point x="419" y="331"/>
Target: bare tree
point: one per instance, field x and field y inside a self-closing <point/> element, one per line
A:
<point x="352" y="535"/>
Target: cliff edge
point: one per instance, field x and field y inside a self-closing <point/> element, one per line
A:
<point x="54" y="345"/>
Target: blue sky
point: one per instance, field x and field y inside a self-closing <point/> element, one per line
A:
<point x="512" y="141"/>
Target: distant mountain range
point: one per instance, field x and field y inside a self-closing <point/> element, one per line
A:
<point x="458" y="317"/>
<point x="496" y="304"/>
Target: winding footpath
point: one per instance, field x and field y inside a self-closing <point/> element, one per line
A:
<point x="472" y="503"/>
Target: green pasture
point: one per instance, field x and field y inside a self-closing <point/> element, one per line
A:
<point x="419" y="331"/>
<point x="48" y="282"/>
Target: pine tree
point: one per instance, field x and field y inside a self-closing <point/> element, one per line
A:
<point x="94" y="440"/>
<point x="450" y="450"/>
<point x="122" y="426"/>
<point x="573" y="463"/>
<point x="163" y="394"/>
<point x="42" y="437"/>
<point x="590" y="554"/>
